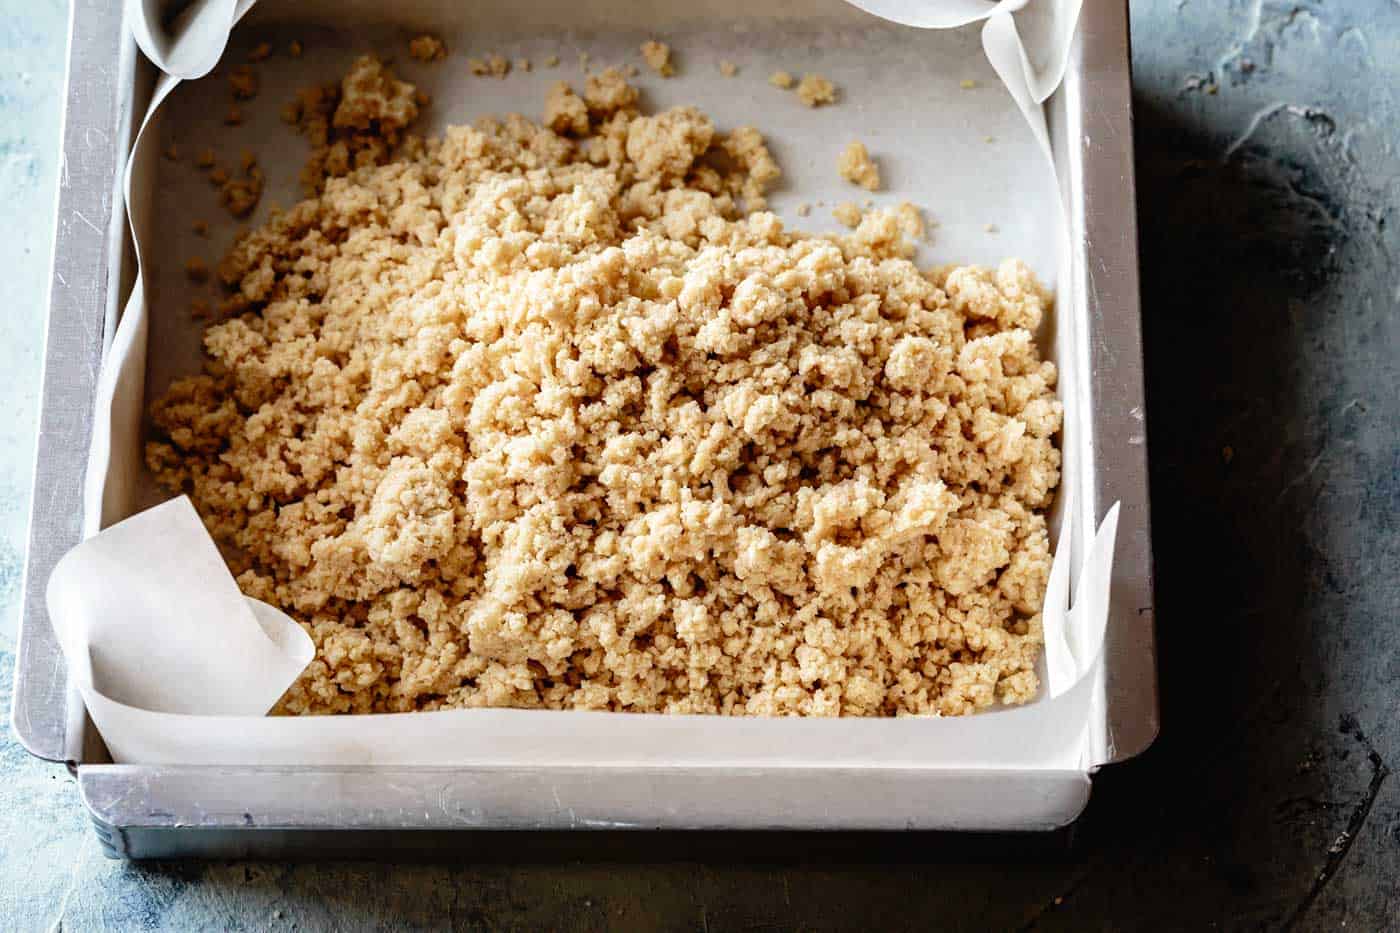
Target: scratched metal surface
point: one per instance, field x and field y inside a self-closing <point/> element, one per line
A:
<point x="1267" y="137"/>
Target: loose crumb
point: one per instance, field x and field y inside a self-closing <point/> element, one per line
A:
<point x="295" y="48"/>
<point x="261" y="52"/>
<point x="632" y="71"/>
<point x="847" y="213"/>
<point x="989" y="139"/>
<point x="523" y="64"/>
<point x="583" y="59"/>
<point x="200" y="227"/>
<point x="507" y="419"/>
<point x="246" y="160"/>
<point x="1227" y="453"/>
<point x="200" y="309"/>
<point x="234" y="116"/>
<point x="495" y="66"/>
<point x="856" y="166"/>
<point x="803" y="210"/>
<point x="967" y="84"/>
<point x="197" y="270"/>
<point x="218" y="175"/>
<point x="172" y="152"/>
<point x="552" y="61"/>
<point x="353" y="124"/>
<point x="728" y="68"/>
<point x="781" y="79"/>
<point x="243" y="81"/>
<point x="422" y="98"/>
<point x="657" y="55"/>
<point x="427" y="48"/>
<point x="993" y="228"/>
<point x="205" y="159"/>
<point x="911" y="221"/>
<point x="814" y="91"/>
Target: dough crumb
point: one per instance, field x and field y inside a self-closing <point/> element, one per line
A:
<point x="552" y="61"/>
<point x="856" y="166"/>
<point x="493" y="66"/>
<point x="564" y="111"/>
<point x="427" y="48"/>
<point x="993" y="228"/>
<point x="205" y="159"/>
<point x="200" y="227"/>
<point x="523" y="64"/>
<point x="513" y="419"/>
<point x="243" y="81"/>
<point x="234" y="116"/>
<point x="240" y="195"/>
<point x="911" y="221"/>
<point x="781" y="79"/>
<point x="197" y="270"/>
<point x="261" y="52"/>
<point x="172" y="152"/>
<point x="814" y="91"/>
<point x="804" y="210"/>
<point x="728" y="68"/>
<point x="200" y="309"/>
<point x="847" y="213"/>
<point x="657" y="55"/>
<point x="353" y="124"/>
<point x="295" y="48"/>
<point x="967" y="84"/>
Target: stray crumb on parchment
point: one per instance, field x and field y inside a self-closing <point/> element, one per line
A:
<point x="847" y="213"/>
<point x="261" y="52"/>
<point x="657" y="55"/>
<point x="814" y="91"/>
<point x="200" y="227"/>
<point x="552" y="61"/>
<point x="804" y="209"/>
<point x="205" y="159"/>
<point x="506" y="419"/>
<point x="427" y="48"/>
<point x="781" y="79"/>
<point x="727" y="68"/>
<point x="967" y="84"/>
<point x="234" y="116"/>
<point x="295" y="48"/>
<point x="523" y="64"/>
<point x="172" y="152"/>
<point x="494" y="66"/>
<point x="243" y="82"/>
<point x="196" y="269"/>
<point x="855" y="165"/>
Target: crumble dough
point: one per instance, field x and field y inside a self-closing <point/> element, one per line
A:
<point x="516" y="418"/>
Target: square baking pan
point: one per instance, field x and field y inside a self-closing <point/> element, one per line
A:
<point x="162" y="811"/>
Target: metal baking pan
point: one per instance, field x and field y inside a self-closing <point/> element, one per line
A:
<point x="163" y="811"/>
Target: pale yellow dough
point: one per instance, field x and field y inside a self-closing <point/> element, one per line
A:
<point x="514" y="418"/>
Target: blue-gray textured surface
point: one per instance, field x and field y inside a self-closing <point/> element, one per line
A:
<point x="1268" y="176"/>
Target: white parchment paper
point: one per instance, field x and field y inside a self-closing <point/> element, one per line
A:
<point x="932" y="108"/>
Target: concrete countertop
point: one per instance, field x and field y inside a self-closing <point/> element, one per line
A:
<point x="1268" y="176"/>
